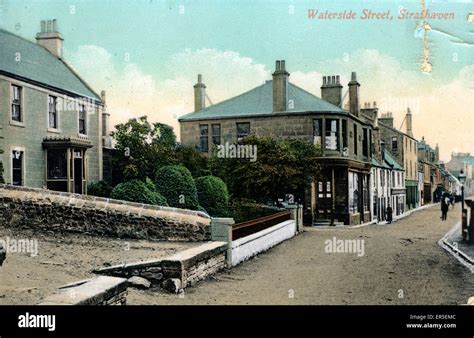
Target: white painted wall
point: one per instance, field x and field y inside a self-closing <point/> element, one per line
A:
<point x="249" y="246"/>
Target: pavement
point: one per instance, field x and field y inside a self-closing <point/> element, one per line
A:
<point x="458" y="247"/>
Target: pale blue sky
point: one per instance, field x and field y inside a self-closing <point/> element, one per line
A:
<point x="235" y="44"/>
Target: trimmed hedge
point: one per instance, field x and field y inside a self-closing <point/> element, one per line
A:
<point x="176" y="184"/>
<point x="99" y="189"/>
<point x="244" y="210"/>
<point x="137" y="191"/>
<point x="212" y="195"/>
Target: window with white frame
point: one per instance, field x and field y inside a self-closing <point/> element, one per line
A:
<point x="52" y="112"/>
<point x="16" y="111"/>
<point x="82" y="119"/>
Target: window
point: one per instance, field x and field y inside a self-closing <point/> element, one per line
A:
<point x="393" y="180"/>
<point x="57" y="164"/>
<point x="317" y="131"/>
<point x="353" y="192"/>
<point x="52" y="113"/>
<point x="365" y="190"/>
<point x="332" y="134"/>
<point x="394" y="143"/>
<point x="16" y="103"/>
<point x="243" y="129"/>
<point x="216" y="134"/>
<point x="82" y="120"/>
<point x="370" y="143"/>
<point x="365" y="145"/>
<point x="344" y="133"/>
<point x="355" y="139"/>
<point x="203" y="138"/>
<point x="17" y="167"/>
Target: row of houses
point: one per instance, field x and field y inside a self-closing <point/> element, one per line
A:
<point x="367" y="163"/>
<point x="55" y="131"/>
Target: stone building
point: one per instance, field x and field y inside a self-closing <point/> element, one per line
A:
<point x="54" y="125"/>
<point x="427" y="162"/>
<point x="387" y="185"/>
<point x="282" y="110"/>
<point x="464" y="162"/>
<point x="403" y="146"/>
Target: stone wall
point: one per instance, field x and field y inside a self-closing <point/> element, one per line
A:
<point x="64" y="212"/>
<point x="178" y="271"/>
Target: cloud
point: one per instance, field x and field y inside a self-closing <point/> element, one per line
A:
<point x="132" y="93"/>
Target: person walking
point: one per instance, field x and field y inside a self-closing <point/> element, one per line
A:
<point x="444" y="206"/>
<point x="389" y="214"/>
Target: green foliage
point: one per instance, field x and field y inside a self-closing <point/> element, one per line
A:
<point x="213" y="195"/>
<point x="141" y="148"/>
<point x="100" y="189"/>
<point x="192" y="159"/>
<point x="137" y="191"/>
<point x="245" y="210"/>
<point x="282" y="167"/>
<point x="176" y="184"/>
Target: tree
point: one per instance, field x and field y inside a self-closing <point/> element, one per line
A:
<point x="282" y="167"/>
<point x="142" y="148"/>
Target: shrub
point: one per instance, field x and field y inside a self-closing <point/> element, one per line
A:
<point x="100" y="189"/>
<point x="245" y="210"/>
<point x="176" y="184"/>
<point x="213" y="195"/>
<point x="137" y="191"/>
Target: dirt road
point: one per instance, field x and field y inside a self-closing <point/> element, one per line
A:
<point x="402" y="264"/>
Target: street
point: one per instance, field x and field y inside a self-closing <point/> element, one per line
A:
<point x="402" y="264"/>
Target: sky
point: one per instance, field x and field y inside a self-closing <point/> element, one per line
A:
<point x="147" y="54"/>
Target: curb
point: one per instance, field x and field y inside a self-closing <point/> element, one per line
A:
<point x="396" y="218"/>
<point x="463" y="258"/>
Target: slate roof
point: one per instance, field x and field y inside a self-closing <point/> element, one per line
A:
<point x="469" y="159"/>
<point x="391" y="161"/>
<point x="259" y="101"/>
<point x="37" y="64"/>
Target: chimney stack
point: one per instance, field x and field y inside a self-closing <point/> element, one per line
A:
<point x="199" y="95"/>
<point x="437" y="153"/>
<point x="331" y="90"/>
<point x="387" y="119"/>
<point x="50" y="38"/>
<point x="280" y="87"/>
<point x="382" y="151"/>
<point x="354" y="107"/>
<point x="409" y="123"/>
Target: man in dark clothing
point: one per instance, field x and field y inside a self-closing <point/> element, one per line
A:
<point x="389" y="214"/>
<point x="444" y="206"/>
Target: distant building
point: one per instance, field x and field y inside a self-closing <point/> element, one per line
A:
<point x="280" y="109"/>
<point x="464" y="162"/>
<point x="403" y="146"/>
<point x="54" y="125"/>
<point x="427" y="165"/>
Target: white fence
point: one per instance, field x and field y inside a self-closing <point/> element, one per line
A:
<point x="249" y="246"/>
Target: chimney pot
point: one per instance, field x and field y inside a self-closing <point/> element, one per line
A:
<point x="375" y="104"/>
<point x="353" y="76"/>
<point x="277" y="67"/>
<point x="282" y="65"/>
<point x="337" y="79"/>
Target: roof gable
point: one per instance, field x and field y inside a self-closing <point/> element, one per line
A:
<point x="259" y="101"/>
<point x="39" y="65"/>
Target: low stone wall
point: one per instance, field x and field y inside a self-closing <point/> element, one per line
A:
<point x="101" y="290"/>
<point x="65" y="212"/>
<point x="246" y="247"/>
<point x="182" y="269"/>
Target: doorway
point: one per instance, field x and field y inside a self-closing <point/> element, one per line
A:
<point x="78" y="172"/>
